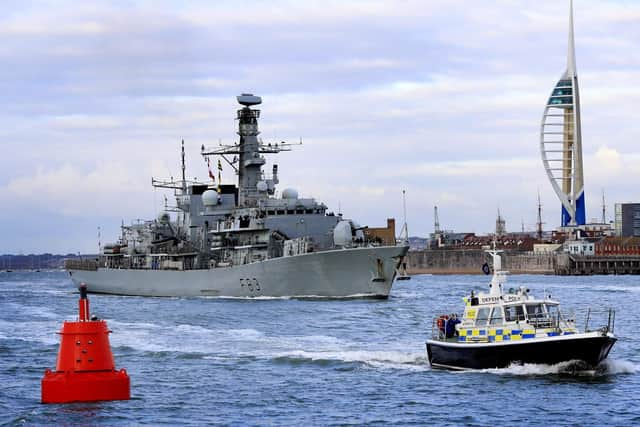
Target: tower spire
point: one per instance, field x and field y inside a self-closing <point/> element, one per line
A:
<point x="571" y="54"/>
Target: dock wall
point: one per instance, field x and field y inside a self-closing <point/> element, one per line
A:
<point x="470" y="262"/>
<point x="587" y="265"/>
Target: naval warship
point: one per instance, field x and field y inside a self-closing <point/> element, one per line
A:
<point x="242" y="240"/>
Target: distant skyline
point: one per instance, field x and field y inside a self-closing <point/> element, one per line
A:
<point x="440" y="98"/>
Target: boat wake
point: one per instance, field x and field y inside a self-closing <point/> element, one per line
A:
<point x="192" y="341"/>
<point x="378" y="359"/>
<point x="572" y="368"/>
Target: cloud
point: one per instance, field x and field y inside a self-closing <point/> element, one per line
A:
<point x="440" y="99"/>
<point x="608" y="159"/>
<point x="73" y="192"/>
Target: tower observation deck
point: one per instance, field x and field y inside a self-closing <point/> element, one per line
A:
<point x="561" y="140"/>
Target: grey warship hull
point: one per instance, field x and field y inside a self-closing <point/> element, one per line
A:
<point x="366" y="272"/>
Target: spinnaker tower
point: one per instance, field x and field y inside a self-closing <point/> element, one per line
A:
<point x="561" y="140"/>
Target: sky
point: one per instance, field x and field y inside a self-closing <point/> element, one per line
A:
<point x="442" y="99"/>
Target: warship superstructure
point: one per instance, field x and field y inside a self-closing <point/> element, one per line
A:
<point x="241" y="240"/>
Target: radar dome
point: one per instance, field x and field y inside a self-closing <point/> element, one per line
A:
<point x="164" y="218"/>
<point x="290" y="193"/>
<point x="262" y="186"/>
<point x="210" y="198"/>
<point x="342" y="234"/>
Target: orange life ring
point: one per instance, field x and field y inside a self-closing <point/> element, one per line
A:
<point x="441" y="321"/>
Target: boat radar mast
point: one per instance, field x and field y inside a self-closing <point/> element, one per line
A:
<point x="499" y="275"/>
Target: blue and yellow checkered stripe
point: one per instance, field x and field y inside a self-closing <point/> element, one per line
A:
<point x="474" y="334"/>
<point x="495" y="335"/>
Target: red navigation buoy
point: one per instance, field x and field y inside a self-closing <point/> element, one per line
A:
<point x="85" y="370"/>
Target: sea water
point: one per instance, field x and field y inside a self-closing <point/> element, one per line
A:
<point x="199" y="361"/>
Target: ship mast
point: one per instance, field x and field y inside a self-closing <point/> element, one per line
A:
<point x="539" y="223"/>
<point x="184" y="180"/>
<point x="251" y="184"/>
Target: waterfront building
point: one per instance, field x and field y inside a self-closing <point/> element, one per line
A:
<point x="581" y="247"/>
<point x="383" y="235"/>
<point x="627" y="222"/>
<point x="561" y="141"/>
<point x="618" y="246"/>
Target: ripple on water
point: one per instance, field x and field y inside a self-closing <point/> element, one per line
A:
<point x="288" y="362"/>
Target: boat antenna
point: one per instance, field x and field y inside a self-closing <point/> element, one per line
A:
<point x="184" y="182"/>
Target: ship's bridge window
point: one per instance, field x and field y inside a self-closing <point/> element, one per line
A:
<point x="271" y="212"/>
<point x="483" y="316"/>
<point x="496" y="316"/>
<point x="290" y="211"/>
<point x="299" y="211"/>
<point x="553" y="310"/>
<point x="535" y="311"/>
<point x="513" y="313"/>
<point x="309" y="211"/>
<point x="538" y="316"/>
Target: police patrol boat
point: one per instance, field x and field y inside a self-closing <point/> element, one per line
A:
<point x="241" y="240"/>
<point x="502" y="328"/>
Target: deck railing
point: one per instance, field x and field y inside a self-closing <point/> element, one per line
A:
<point x="81" y="264"/>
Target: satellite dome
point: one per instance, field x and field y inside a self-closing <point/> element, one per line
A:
<point x="210" y="198"/>
<point x="290" y="193"/>
<point x="262" y="186"/>
<point x="164" y="218"/>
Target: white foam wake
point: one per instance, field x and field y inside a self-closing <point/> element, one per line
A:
<point x="222" y="343"/>
<point x="372" y="358"/>
<point x="572" y="367"/>
<point x="615" y="366"/>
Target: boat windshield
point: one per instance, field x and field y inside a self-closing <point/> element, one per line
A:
<point x="535" y="311"/>
<point x="513" y="313"/>
<point x="553" y="311"/>
<point x="483" y="316"/>
<point x="496" y="316"/>
<point x="538" y="316"/>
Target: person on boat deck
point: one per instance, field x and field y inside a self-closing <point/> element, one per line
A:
<point x="450" y="327"/>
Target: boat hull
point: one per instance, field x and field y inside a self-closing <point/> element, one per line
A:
<point x="590" y="348"/>
<point x="356" y="272"/>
